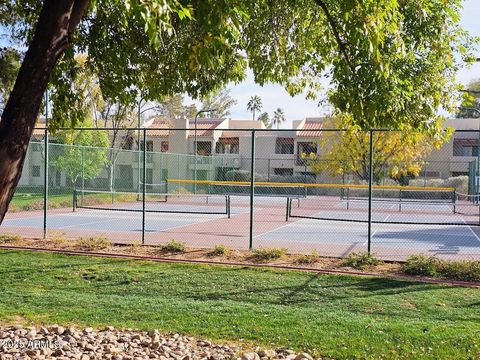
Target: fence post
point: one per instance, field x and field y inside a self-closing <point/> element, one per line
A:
<point x="370" y="181"/>
<point x="139" y="120"/>
<point x="45" y="187"/>
<point x="425" y="173"/>
<point x="144" y="183"/>
<point x="45" y="171"/>
<point x="83" y="168"/>
<point x="252" y="189"/>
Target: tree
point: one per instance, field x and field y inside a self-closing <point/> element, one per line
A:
<point x="265" y="118"/>
<point x="470" y="101"/>
<point x="9" y="65"/>
<point x="221" y="101"/>
<point x="278" y="117"/>
<point x="398" y="155"/>
<point x="83" y="154"/>
<point x="254" y="104"/>
<point x="391" y="63"/>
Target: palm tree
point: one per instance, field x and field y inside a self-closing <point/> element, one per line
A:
<point x="254" y="104"/>
<point x="278" y="117"/>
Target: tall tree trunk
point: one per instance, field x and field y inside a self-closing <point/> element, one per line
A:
<point x="57" y="21"/>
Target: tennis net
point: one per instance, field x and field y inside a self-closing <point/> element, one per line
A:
<point x="240" y="188"/>
<point x="180" y="203"/>
<point x="393" y="205"/>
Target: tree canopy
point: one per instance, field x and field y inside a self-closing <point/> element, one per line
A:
<point x="254" y="105"/>
<point x="219" y="100"/>
<point x="398" y="155"/>
<point x="391" y="62"/>
<point x="9" y="65"/>
<point x="278" y="117"/>
<point x="470" y="105"/>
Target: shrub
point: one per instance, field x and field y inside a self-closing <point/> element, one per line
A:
<point x="174" y="246"/>
<point x="57" y="238"/>
<point x="361" y="261"/>
<point x="242" y="175"/>
<point x="460" y="183"/>
<point x="460" y="270"/>
<point x="421" y="265"/>
<point x="134" y="246"/>
<point x="93" y="243"/>
<point x="220" y="250"/>
<point x="33" y="205"/>
<point x="309" y="258"/>
<point x="9" y="238"/>
<point x="267" y="254"/>
<point x="434" y="267"/>
<point x="13" y="208"/>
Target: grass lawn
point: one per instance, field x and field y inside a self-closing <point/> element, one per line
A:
<point x="34" y="201"/>
<point x="334" y="316"/>
<point x="22" y="200"/>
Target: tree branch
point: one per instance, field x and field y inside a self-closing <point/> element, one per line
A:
<point x="341" y="44"/>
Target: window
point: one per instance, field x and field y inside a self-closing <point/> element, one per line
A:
<point x="429" y="174"/>
<point x="127" y="143"/>
<point x="36" y="171"/>
<point x="227" y="146"/>
<point x="149" y="145"/>
<point x="124" y="177"/>
<point x="309" y="176"/>
<point x="164" y="146"/>
<point x="204" y="148"/>
<point x="283" y="171"/>
<point x="465" y="147"/>
<point x="305" y="148"/>
<point x="284" y="146"/>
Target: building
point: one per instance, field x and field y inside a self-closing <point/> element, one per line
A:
<point x="224" y="145"/>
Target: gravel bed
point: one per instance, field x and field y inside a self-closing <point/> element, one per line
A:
<point x="62" y="343"/>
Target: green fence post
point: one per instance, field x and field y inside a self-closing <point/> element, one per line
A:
<point x="45" y="171"/>
<point x="370" y="181"/>
<point x="144" y="182"/>
<point x="139" y="120"/>
<point x="74" y="200"/>
<point x="83" y="171"/>
<point x="252" y="189"/>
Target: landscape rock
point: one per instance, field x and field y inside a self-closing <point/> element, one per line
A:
<point x="250" y="356"/>
<point x="67" y="343"/>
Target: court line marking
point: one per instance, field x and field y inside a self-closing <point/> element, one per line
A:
<point x="469" y="228"/>
<point x="85" y="223"/>
<point x="366" y="241"/>
<point x="273" y="230"/>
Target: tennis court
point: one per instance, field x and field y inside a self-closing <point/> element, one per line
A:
<point x="299" y="218"/>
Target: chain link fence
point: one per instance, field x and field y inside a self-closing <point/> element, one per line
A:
<point x="330" y="191"/>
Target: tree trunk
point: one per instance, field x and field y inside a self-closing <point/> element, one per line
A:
<point x="57" y="21"/>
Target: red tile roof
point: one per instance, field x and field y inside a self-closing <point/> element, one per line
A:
<point x="162" y="123"/>
<point x="205" y="127"/>
<point x="310" y="128"/>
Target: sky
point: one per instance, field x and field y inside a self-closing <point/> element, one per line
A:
<point x="295" y="108"/>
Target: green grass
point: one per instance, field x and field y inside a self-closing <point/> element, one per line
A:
<point x="334" y="316"/>
<point x="26" y="200"/>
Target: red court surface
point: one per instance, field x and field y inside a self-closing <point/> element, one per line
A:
<point x="207" y="228"/>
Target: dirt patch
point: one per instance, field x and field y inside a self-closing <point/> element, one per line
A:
<point x="233" y="256"/>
